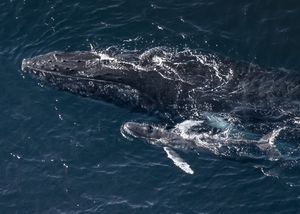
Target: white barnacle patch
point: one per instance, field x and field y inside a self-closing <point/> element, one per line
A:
<point x="54" y="56"/>
<point x="297" y="120"/>
<point x="91" y="83"/>
<point x="120" y="93"/>
<point x="92" y="62"/>
<point x="157" y="60"/>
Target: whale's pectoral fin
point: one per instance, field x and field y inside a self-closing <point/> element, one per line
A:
<point x="178" y="161"/>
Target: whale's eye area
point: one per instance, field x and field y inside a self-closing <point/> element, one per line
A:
<point x="105" y="62"/>
<point x="150" y="129"/>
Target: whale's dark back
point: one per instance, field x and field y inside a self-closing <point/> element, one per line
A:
<point x="180" y="85"/>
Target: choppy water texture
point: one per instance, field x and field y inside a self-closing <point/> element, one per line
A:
<point x="62" y="153"/>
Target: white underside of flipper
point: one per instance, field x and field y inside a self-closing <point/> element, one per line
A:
<point x="178" y="161"/>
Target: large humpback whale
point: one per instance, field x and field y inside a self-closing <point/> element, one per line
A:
<point x="179" y="86"/>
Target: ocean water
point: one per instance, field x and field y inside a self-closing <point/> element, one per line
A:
<point x="62" y="153"/>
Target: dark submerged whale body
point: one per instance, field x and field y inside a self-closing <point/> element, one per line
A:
<point x="179" y="84"/>
<point x="234" y="101"/>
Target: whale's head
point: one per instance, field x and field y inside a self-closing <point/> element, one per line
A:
<point x="117" y="78"/>
<point x="87" y="73"/>
<point x="143" y="131"/>
<point x="79" y="65"/>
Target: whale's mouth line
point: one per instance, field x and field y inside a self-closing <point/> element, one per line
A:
<point x="25" y="67"/>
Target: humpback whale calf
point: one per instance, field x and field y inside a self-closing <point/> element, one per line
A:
<point x="233" y="98"/>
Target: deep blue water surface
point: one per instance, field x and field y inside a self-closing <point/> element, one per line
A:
<point x="62" y="153"/>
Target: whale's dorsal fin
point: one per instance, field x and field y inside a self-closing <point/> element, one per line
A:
<point x="178" y="161"/>
<point x="267" y="144"/>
